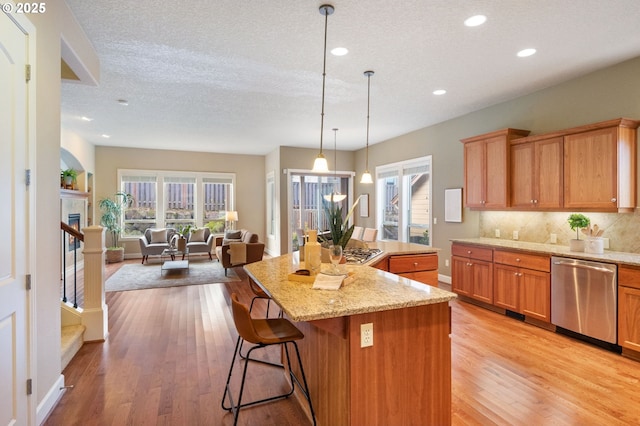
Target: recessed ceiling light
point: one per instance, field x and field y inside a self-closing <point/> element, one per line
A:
<point x="123" y="102"/>
<point x="439" y="92"/>
<point x="106" y="136"/>
<point x="476" y="20"/>
<point x="339" y="51"/>
<point x="86" y="118"/>
<point x="526" y="52"/>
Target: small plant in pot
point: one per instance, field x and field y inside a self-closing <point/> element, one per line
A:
<point x="68" y="178"/>
<point x="577" y="221"/>
<point x="112" y="209"/>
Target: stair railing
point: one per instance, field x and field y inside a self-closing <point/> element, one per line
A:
<point x="70" y="236"/>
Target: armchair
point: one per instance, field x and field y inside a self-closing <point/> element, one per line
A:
<point x="154" y="241"/>
<point x="238" y="250"/>
<point x="201" y="241"/>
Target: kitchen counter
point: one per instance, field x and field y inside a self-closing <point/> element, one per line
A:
<point x="372" y="290"/>
<point x="554" y="250"/>
<point x="404" y="377"/>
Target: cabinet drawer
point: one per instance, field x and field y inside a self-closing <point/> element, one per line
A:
<point x="523" y="260"/>
<point x="427" y="277"/>
<point x="474" y="252"/>
<point x="413" y="263"/>
<point x="628" y="276"/>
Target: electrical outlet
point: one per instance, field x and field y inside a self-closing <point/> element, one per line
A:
<point x="435" y="220"/>
<point x="605" y="243"/>
<point x="366" y="335"/>
<point x="446" y="263"/>
<point x="515" y="235"/>
<point x="497" y="233"/>
<point x="553" y="238"/>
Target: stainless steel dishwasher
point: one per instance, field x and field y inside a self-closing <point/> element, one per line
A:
<point x="584" y="297"/>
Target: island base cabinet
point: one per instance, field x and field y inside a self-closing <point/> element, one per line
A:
<point x="404" y="378"/>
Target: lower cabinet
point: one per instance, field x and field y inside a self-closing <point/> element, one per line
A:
<point x="472" y="272"/>
<point x="629" y="308"/>
<point x="418" y="267"/>
<point x="522" y="283"/>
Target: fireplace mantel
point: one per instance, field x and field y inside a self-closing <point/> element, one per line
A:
<point x="72" y="193"/>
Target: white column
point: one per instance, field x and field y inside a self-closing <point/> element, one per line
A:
<point x="95" y="314"/>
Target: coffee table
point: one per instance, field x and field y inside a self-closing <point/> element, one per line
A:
<point x="171" y="264"/>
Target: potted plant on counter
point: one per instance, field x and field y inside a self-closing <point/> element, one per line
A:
<point x="111" y="219"/>
<point x="577" y="221"/>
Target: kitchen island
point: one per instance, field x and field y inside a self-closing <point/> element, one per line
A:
<point x="404" y="378"/>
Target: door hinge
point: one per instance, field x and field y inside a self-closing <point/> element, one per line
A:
<point x="27" y="73"/>
<point x="27" y="177"/>
<point x="29" y="387"/>
<point x="28" y="281"/>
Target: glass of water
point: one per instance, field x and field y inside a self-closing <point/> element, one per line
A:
<point x="335" y="254"/>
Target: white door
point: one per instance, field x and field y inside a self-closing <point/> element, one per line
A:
<point x="13" y="214"/>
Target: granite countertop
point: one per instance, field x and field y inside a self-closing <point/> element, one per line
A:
<point x="555" y="250"/>
<point x="372" y="290"/>
<point x="394" y="247"/>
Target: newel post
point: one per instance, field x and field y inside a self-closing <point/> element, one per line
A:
<point x="95" y="314"/>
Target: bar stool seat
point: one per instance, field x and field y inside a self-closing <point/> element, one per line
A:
<point x="263" y="333"/>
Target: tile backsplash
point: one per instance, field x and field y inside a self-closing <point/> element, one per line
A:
<point x="622" y="229"/>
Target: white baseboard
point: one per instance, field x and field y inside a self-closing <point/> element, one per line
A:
<point x="444" y="278"/>
<point x="50" y="400"/>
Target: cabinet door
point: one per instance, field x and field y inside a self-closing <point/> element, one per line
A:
<point x="482" y="281"/>
<point x="505" y="287"/>
<point x="474" y="176"/>
<point x="461" y="276"/>
<point x="548" y="177"/>
<point x="590" y="170"/>
<point x="522" y="175"/>
<point x="535" y="291"/>
<point x="629" y="318"/>
<point x="495" y="185"/>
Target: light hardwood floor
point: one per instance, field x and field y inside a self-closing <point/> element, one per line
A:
<point x="169" y="349"/>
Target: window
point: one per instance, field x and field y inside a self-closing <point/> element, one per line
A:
<point x="306" y="208"/>
<point x="197" y="199"/>
<point x="404" y="201"/>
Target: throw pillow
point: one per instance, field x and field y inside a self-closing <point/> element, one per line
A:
<point x="233" y="235"/>
<point x="158" y="236"/>
<point x="197" y="235"/>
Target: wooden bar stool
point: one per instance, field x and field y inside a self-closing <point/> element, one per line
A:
<point x="263" y="333"/>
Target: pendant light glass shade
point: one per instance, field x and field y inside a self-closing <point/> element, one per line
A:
<point x="335" y="196"/>
<point x="366" y="176"/>
<point x="320" y="164"/>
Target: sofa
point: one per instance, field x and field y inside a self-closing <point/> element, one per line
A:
<point x="154" y="241"/>
<point x="238" y="248"/>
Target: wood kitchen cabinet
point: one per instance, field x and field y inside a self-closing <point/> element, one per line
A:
<point x="418" y="267"/>
<point x="472" y="272"/>
<point x="600" y="166"/>
<point x="522" y="283"/>
<point x="536" y="173"/>
<point x="629" y="309"/>
<point x="486" y="168"/>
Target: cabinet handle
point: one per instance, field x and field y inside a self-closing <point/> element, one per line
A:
<point x="517" y="259"/>
<point x="533" y="202"/>
<point x="415" y="264"/>
<point x="468" y="251"/>
<point x="515" y="274"/>
<point x="520" y="274"/>
<point x="469" y="264"/>
<point x="613" y="200"/>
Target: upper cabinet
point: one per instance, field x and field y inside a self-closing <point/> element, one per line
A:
<point x="588" y="168"/>
<point x="600" y="167"/>
<point x="486" y="168"/>
<point x="536" y="173"/>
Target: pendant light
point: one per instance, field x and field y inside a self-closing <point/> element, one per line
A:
<point x="335" y="196"/>
<point x="320" y="164"/>
<point x="366" y="176"/>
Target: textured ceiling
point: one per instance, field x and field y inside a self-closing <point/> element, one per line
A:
<point x="239" y="76"/>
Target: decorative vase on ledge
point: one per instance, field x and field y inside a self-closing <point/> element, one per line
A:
<point x="576" y="245"/>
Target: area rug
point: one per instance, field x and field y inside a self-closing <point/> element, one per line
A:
<point x="149" y="275"/>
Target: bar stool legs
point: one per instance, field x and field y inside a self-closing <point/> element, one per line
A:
<point x="263" y="333"/>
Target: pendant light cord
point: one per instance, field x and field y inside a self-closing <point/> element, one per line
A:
<point x="326" y="13"/>
<point x="368" y="74"/>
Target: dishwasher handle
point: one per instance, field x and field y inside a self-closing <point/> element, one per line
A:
<point x="583" y="266"/>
